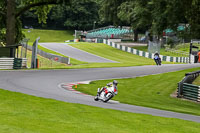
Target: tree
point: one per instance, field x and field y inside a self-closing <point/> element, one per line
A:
<point x="80" y="15"/>
<point x="109" y="11"/>
<point x="137" y="14"/>
<point x="10" y="11"/>
<point x="154" y="15"/>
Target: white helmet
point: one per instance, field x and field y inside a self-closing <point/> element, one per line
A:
<point x="115" y="82"/>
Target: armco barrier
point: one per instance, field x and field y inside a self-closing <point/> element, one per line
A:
<point x="187" y="90"/>
<point x="13" y="63"/>
<point x="52" y="56"/>
<point x="191" y="92"/>
<point x="6" y="63"/>
<point x="146" y="54"/>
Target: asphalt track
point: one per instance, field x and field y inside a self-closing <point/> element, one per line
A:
<point x="75" y="53"/>
<point x="46" y="83"/>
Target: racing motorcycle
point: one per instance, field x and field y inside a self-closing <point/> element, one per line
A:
<point x="105" y="94"/>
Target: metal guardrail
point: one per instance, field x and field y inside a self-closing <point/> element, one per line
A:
<point x="52" y="56"/>
<point x="13" y="63"/>
<point x="191" y="92"/>
<point x="186" y="89"/>
<point x="6" y="63"/>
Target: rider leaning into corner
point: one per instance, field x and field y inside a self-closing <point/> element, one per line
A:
<point x="114" y="84"/>
<point x="107" y="92"/>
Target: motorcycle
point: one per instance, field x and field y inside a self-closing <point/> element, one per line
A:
<point x="105" y="94"/>
<point x="158" y="61"/>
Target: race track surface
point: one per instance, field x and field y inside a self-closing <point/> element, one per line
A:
<point x="46" y="83"/>
<point x="75" y="53"/>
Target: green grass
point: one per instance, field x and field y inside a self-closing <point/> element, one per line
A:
<point x="22" y="113"/>
<point x="181" y="47"/>
<point x="197" y="81"/>
<point x="48" y="35"/>
<point x="162" y="51"/>
<point x="151" y="91"/>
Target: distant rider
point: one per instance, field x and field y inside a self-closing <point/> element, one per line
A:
<point x="157" y="58"/>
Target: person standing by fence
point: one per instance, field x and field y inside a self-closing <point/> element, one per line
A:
<point x="198" y="54"/>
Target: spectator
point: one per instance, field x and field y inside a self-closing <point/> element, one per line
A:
<point x="198" y="54"/>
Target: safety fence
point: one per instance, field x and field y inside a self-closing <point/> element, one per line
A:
<point x="50" y="56"/>
<point x="191" y="92"/>
<point x="13" y="63"/>
<point x="146" y="54"/>
<point x="187" y="90"/>
<point x="177" y="52"/>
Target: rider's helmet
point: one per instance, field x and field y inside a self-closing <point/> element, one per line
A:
<point x="115" y="82"/>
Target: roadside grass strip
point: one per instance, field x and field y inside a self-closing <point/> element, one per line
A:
<point x="197" y="81"/>
<point x="21" y="113"/>
<point x="150" y="91"/>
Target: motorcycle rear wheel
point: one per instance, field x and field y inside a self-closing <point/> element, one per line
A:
<point x="109" y="97"/>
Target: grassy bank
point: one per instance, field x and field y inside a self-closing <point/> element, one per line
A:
<point x="48" y="35"/>
<point x="150" y="91"/>
<point x="22" y="113"/>
<point x="197" y="81"/>
<point x="163" y="51"/>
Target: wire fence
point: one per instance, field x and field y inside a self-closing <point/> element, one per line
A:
<point x="51" y="56"/>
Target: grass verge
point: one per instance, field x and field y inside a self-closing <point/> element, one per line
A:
<point x="162" y="51"/>
<point x="48" y="35"/>
<point x="197" y="81"/>
<point x="151" y="91"/>
<point x="22" y="113"/>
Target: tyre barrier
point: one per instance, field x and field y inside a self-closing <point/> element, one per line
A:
<point x="186" y="89"/>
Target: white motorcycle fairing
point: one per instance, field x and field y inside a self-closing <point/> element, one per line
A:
<point x="106" y="94"/>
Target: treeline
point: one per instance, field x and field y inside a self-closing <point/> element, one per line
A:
<point x="154" y="15"/>
<point x="142" y="15"/>
<point x="79" y="15"/>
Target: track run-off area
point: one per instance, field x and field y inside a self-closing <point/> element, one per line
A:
<point x="47" y="84"/>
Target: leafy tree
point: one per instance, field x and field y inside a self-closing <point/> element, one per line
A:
<point x="154" y="15"/>
<point x="137" y="14"/>
<point x="109" y="10"/>
<point x="81" y="14"/>
<point x="10" y="11"/>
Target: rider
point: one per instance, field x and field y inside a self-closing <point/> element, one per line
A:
<point x="157" y="58"/>
<point x="114" y="83"/>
